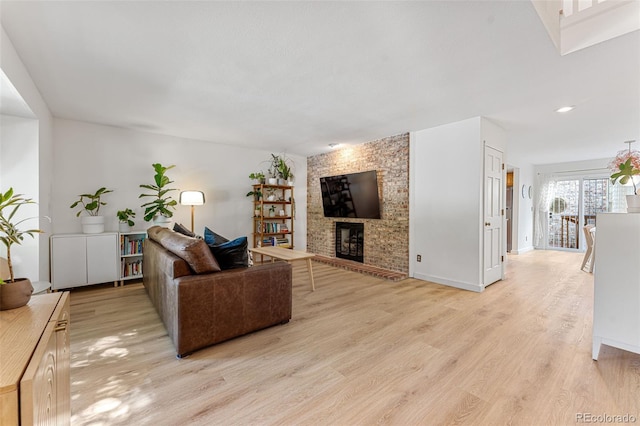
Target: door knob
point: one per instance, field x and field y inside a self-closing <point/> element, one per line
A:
<point x="487" y="224"/>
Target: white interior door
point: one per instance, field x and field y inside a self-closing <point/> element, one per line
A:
<point x="493" y="215"/>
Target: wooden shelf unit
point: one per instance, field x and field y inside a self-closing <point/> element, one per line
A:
<point x="273" y="227"/>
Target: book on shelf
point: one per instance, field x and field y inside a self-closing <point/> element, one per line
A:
<point x="130" y="245"/>
<point x="130" y="269"/>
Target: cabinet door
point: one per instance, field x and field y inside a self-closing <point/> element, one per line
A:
<point x="102" y="258"/>
<point x="62" y="320"/>
<point x="38" y="385"/>
<point x="68" y="261"/>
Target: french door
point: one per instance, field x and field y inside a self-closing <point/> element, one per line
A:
<point x="576" y="203"/>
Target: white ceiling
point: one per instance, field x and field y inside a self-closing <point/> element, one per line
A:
<point x="295" y="76"/>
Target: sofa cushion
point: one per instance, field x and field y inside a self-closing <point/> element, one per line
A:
<point x="194" y="251"/>
<point x="211" y="238"/>
<point x="178" y="227"/>
<point x="229" y="254"/>
<point x="232" y="254"/>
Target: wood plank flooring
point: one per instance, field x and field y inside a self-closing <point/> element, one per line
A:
<point x="362" y="350"/>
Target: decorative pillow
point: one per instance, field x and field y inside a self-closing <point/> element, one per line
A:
<point x="211" y="238"/>
<point x="194" y="251"/>
<point x="178" y="227"/>
<point x="231" y="254"/>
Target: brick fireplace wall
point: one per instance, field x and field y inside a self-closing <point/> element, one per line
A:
<point x="386" y="239"/>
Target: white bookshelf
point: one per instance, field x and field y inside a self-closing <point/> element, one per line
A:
<point x="130" y="249"/>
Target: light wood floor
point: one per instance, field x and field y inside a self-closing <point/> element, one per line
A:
<point x="360" y="351"/>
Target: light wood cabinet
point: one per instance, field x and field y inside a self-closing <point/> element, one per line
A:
<point x="35" y="370"/>
<point x="82" y="259"/>
<point x="616" y="299"/>
<point x="273" y="216"/>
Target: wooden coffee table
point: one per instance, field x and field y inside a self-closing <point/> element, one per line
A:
<point x="287" y="255"/>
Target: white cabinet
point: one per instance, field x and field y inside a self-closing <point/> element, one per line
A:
<point x="616" y="301"/>
<point x="82" y="259"/>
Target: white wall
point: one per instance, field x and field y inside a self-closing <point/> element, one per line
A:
<point x="446" y="201"/>
<point x="15" y="70"/>
<point x="19" y="169"/>
<point x="89" y="156"/>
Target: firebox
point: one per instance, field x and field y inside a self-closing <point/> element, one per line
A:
<point x="350" y="241"/>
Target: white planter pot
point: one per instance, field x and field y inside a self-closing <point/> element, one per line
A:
<point x="163" y="221"/>
<point x="633" y="203"/>
<point x="124" y="227"/>
<point x="273" y="181"/>
<point x="92" y="224"/>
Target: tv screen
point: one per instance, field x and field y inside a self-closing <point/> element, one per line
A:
<point x="351" y="195"/>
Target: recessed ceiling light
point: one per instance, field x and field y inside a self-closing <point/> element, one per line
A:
<point x="565" y="109"/>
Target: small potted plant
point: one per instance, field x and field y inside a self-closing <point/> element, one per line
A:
<point x="159" y="209"/>
<point x="93" y="223"/>
<point x="15" y="292"/>
<point x="272" y="211"/>
<point x="625" y="167"/>
<point x="124" y="219"/>
<point x="258" y="177"/>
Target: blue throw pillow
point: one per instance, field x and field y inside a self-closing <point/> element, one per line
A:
<point x="211" y="238"/>
<point x="229" y="254"/>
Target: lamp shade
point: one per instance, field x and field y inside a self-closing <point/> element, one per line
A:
<point x="192" y="198"/>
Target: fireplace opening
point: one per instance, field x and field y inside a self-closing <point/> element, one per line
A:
<point x="350" y="241"/>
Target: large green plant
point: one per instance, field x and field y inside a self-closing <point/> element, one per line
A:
<point x="163" y="202"/>
<point x="91" y="203"/>
<point x="9" y="232"/>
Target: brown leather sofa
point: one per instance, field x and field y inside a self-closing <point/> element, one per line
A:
<point x="209" y="306"/>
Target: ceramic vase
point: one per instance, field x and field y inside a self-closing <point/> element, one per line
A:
<point x="633" y="203"/>
<point x="92" y="224"/>
<point x="16" y="294"/>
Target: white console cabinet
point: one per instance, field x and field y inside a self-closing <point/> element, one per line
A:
<point x="616" y="302"/>
<point x="83" y="259"/>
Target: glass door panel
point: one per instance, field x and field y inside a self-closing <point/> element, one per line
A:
<point x="564" y="219"/>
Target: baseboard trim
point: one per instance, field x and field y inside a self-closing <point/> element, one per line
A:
<point x="457" y="284"/>
<point x="522" y="251"/>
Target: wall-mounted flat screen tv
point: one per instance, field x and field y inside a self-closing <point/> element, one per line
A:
<point x="351" y="195"/>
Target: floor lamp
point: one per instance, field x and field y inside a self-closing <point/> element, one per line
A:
<point x="192" y="198"/>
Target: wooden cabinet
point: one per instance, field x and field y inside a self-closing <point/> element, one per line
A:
<point x="131" y="255"/>
<point x="35" y="387"/>
<point x="273" y="216"/>
<point x="82" y="259"/>
<point x="616" y="300"/>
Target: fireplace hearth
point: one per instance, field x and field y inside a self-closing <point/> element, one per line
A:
<point x="350" y="241"/>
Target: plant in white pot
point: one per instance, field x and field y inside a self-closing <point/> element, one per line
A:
<point x="93" y="223"/>
<point x="15" y="292"/>
<point x="626" y="168"/>
<point x="125" y="222"/>
<point x="159" y="209"/>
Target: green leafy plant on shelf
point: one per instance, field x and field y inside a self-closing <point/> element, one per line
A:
<point x="162" y="203"/>
<point x="124" y="216"/>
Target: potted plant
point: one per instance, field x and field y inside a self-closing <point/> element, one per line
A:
<point x="272" y="211"/>
<point x="124" y="219"/>
<point x="159" y="209"/>
<point x="284" y="172"/>
<point x="91" y="203"/>
<point x="15" y="292"/>
<point x="625" y="167"/>
<point x="258" y="177"/>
